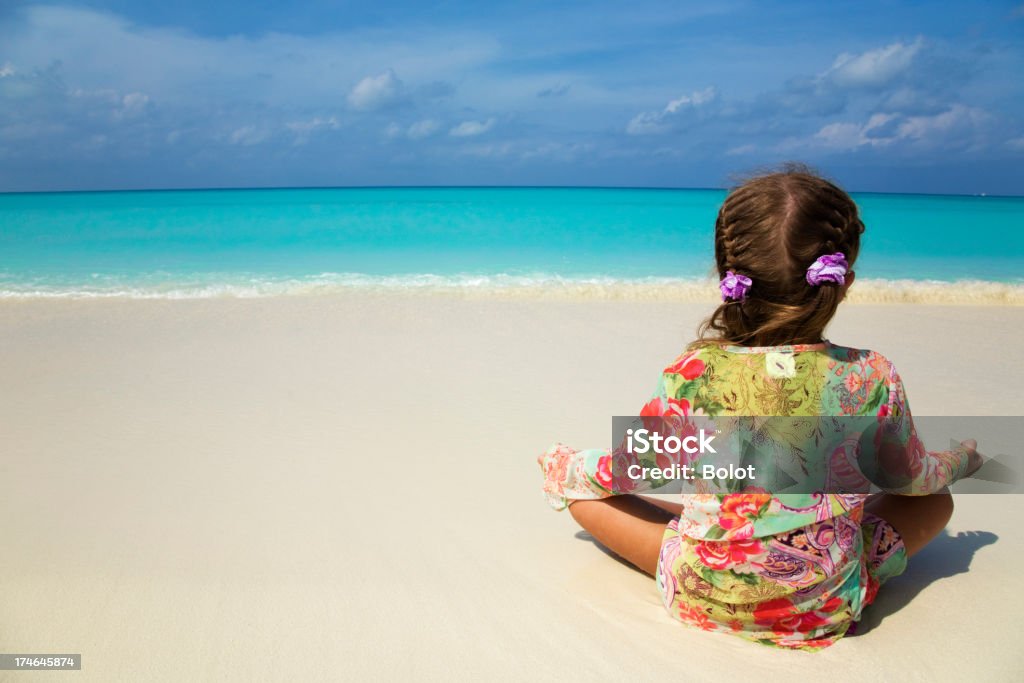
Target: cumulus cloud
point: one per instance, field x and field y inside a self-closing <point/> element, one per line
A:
<point x="131" y="105"/>
<point x="958" y="118"/>
<point x="898" y="77"/>
<point x="741" y="150"/>
<point x="656" y="122"/>
<point x="844" y="135"/>
<point x="873" y="67"/>
<point x="415" y="131"/>
<point x="377" y="92"/>
<point x="315" y="123"/>
<point x="173" y="64"/>
<point x="305" y="128"/>
<point x="248" y="135"/>
<point x="695" y="99"/>
<point x="134" y="101"/>
<point x="958" y="125"/>
<point x="201" y="106"/>
<point x="558" y="151"/>
<point x="499" y="150"/>
<point x="472" y="128"/>
<point x="422" y="129"/>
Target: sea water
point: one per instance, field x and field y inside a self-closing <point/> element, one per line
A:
<point x="281" y="241"/>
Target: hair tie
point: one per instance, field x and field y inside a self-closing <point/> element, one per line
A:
<point x="734" y="286"/>
<point x="828" y="268"/>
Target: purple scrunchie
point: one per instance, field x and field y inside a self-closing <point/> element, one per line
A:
<point x="734" y="286"/>
<point x="828" y="268"/>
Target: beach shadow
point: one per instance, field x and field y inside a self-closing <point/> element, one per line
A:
<point x="944" y="557"/>
<point x="585" y="536"/>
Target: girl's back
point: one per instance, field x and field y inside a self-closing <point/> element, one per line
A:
<point x="785" y="569"/>
<point x="794" y="569"/>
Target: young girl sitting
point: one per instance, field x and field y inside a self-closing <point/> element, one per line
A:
<point x="788" y="570"/>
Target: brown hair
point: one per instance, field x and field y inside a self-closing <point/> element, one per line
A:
<point x="770" y="229"/>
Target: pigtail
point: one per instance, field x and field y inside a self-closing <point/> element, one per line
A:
<point x="770" y="230"/>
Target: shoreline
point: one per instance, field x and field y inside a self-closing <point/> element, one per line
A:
<point x="540" y="288"/>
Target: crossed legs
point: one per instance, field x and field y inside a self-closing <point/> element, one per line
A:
<point x="917" y="519"/>
<point x="629" y="526"/>
<point x="632" y="527"/>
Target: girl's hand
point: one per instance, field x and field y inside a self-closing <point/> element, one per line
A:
<point x="555" y="464"/>
<point x="974" y="458"/>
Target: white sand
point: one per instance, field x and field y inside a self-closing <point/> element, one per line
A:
<point x="326" y="488"/>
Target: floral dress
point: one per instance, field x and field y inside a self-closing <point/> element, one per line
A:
<point x="789" y="570"/>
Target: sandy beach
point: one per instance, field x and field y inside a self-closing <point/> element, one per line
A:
<point x="344" y="488"/>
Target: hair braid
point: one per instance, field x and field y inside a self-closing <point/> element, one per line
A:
<point x="771" y="229"/>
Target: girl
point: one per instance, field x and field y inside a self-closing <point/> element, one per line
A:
<point x="788" y="570"/>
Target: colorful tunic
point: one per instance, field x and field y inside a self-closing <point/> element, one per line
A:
<point x="789" y="570"/>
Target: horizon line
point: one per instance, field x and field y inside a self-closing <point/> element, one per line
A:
<point x="468" y="187"/>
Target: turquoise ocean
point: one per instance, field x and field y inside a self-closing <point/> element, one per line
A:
<point x="184" y="244"/>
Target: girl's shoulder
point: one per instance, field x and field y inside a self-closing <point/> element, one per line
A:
<point x="859" y="359"/>
<point x="807" y="379"/>
<point x="835" y="358"/>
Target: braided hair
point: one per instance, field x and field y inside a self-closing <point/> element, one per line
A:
<point x="770" y="229"/>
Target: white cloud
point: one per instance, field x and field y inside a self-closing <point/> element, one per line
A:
<point x="841" y="135"/>
<point x="422" y="129"/>
<point x="101" y="49"/>
<point x="492" y="151"/>
<point x="471" y="128"/>
<point x="303" y="129"/>
<point x="695" y="99"/>
<point x="119" y="106"/>
<point x="134" y="100"/>
<point x="957" y="118"/>
<point x="647" y="123"/>
<point x="741" y="150"/>
<point x="132" y="104"/>
<point x="313" y="124"/>
<point x="1016" y="144"/>
<point x="956" y="125"/>
<point x="874" y="67"/>
<point x="248" y="135"/>
<point x="415" y="131"/>
<point x="375" y="92"/>
<point x="655" y="122"/>
<point x="202" y="92"/>
<point x="853" y="135"/>
<point x="558" y="151"/>
<point x="106" y="95"/>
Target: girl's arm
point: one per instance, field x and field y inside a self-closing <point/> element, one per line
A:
<point x="571" y="474"/>
<point x="905" y="466"/>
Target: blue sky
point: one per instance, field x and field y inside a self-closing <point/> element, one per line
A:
<point x="883" y="96"/>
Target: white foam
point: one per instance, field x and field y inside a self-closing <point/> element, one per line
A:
<point x="538" y="286"/>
